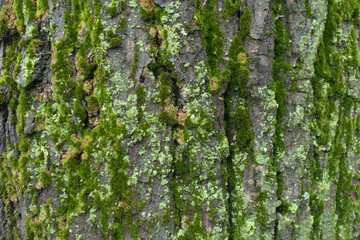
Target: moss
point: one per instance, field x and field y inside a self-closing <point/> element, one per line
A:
<point x="54" y="27"/>
<point x="212" y="37"/>
<point x="45" y="179"/>
<point x="123" y="24"/>
<point x="194" y="229"/>
<point x="238" y="73"/>
<point x="115" y="42"/>
<point x="92" y="103"/>
<point x="4" y="30"/>
<point x="41" y="7"/>
<point x="350" y="10"/>
<point x="168" y="117"/>
<point x="3" y="98"/>
<point x="140" y="98"/>
<point x="244" y="24"/>
<point x="352" y="50"/>
<point x="151" y="14"/>
<point x="34" y="32"/>
<point x="242" y="119"/>
<point x="79" y="111"/>
<point x="22" y="108"/>
<point x="261" y="210"/>
<point x="113" y="9"/>
<point x="214" y="85"/>
<point x="239" y="126"/>
<point x="30" y="9"/>
<point x="90" y="70"/>
<point x="231" y="8"/>
<point x="135" y="61"/>
<point x="18" y="7"/>
<point x="12" y="104"/>
<point x="280" y="68"/>
<point x="308" y="9"/>
<point x="110" y="34"/>
<point x="317" y="207"/>
<point x="164" y="88"/>
<point x="328" y="87"/>
<point x="7" y="23"/>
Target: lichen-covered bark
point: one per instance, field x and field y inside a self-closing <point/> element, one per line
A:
<point x="154" y="119"/>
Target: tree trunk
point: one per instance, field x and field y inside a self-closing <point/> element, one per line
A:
<point x="155" y="119"/>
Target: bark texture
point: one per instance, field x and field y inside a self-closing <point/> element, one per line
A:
<point x="155" y="119"/>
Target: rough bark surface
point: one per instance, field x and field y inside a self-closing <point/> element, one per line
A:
<point x="154" y="119"/>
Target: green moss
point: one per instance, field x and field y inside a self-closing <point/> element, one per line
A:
<point x="350" y="10"/>
<point x="113" y="9"/>
<point x="92" y="103"/>
<point x="239" y="127"/>
<point x="4" y="30"/>
<point x="110" y="34"/>
<point x="90" y="70"/>
<point x="237" y="72"/>
<point x="165" y="88"/>
<point x="334" y="126"/>
<point x="45" y="179"/>
<point x="212" y="37"/>
<point x="261" y="210"/>
<point x="18" y="7"/>
<point x="231" y="8"/>
<point x="151" y="15"/>
<point x="123" y="24"/>
<point x="242" y="119"/>
<point x="3" y="98"/>
<point x="352" y="50"/>
<point x="140" y="98"/>
<point x="308" y="9"/>
<point x="54" y="27"/>
<point x="12" y="104"/>
<point x="30" y="9"/>
<point x="194" y="230"/>
<point x="41" y="7"/>
<point x="7" y="27"/>
<point x="79" y="111"/>
<point x="317" y="209"/>
<point x="214" y="85"/>
<point x="135" y="61"/>
<point x="21" y="110"/>
<point x="280" y="68"/>
<point x="244" y="24"/>
<point x="115" y="42"/>
<point x="168" y="118"/>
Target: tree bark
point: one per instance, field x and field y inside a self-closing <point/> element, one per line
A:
<point x="154" y="119"/>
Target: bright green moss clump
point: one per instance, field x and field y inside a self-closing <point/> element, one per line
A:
<point x="212" y="36"/>
<point x="168" y="117"/>
<point x="30" y="10"/>
<point x="22" y="108"/>
<point x="41" y="7"/>
<point x="245" y="135"/>
<point x="90" y="71"/>
<point x="114" y="41"/>
<point x="231" y="8"/>
<point x="151" y="14"/>
<point x="18" y="7"/>
<point x="115" y="7"/>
